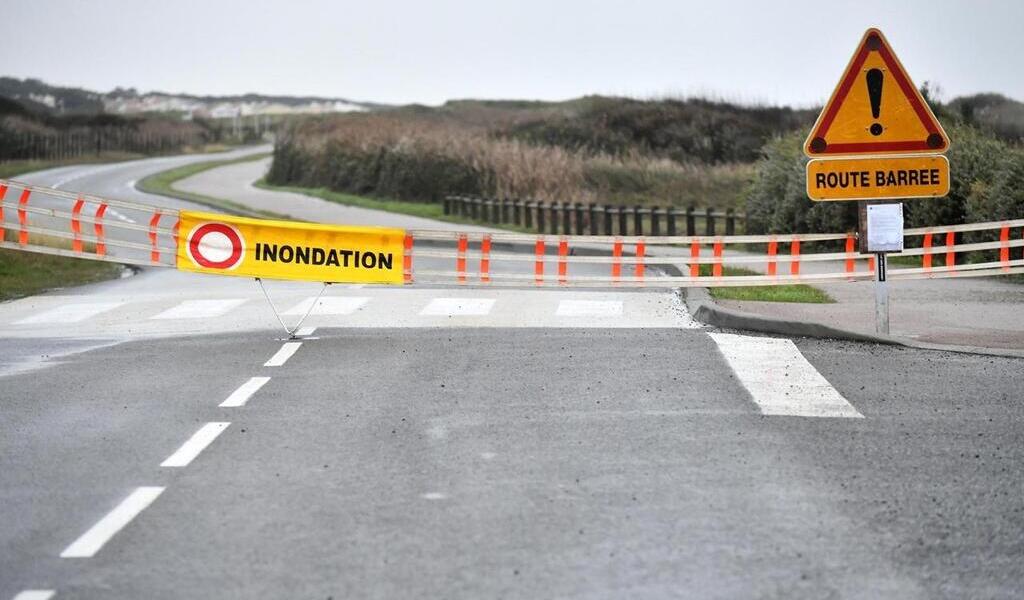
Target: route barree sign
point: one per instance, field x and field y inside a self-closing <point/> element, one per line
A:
<point x="876" y="138"/>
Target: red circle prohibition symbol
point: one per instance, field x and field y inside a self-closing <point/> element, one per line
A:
<point x="196" y="248"/>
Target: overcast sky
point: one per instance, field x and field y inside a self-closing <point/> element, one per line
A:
<point x="432" y="50"/>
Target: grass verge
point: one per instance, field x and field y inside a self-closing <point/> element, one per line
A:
<point x="27" y="273"/>
<point x="765" y="293"/>
<point x="162" y="184"/>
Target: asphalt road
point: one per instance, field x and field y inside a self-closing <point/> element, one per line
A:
<point x="495" y="443"/>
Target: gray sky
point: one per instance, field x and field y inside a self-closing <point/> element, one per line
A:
<point x="432" y="50"/>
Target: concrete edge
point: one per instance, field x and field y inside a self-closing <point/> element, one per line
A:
<point x="704" y="309"/>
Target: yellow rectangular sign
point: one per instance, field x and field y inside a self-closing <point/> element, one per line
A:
<point x="226" y="245"/>
<point x="873" y="178"/>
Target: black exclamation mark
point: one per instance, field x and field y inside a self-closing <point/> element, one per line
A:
<point x="874" y="80"/>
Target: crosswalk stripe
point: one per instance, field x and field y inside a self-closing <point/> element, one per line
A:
<point x="452" y="307"/>
<point x="328" y="305"/>
<point x="589" y="308"/>
<point x="200" y="309"/>
<point x="69" y="313"/>
<point x="779" y="379"/>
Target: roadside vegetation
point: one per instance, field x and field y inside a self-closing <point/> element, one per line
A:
<point x="594" y="149"/>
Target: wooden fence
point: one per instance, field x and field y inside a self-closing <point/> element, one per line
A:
<point x="593" y="219"/>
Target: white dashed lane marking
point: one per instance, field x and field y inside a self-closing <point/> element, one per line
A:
<point x="589" y="308"/>
<point x="195" y="444"/>
<point x="240" y="396"/>
<point x="328" y="305"/>
<point x="200" y="309"/>
<point x="282" y="355"/>
<point x="74" y="312"/>
<point x="35" y="595"/>
<point x="452" y="307"/>
<point x="779" y="378"/>
<point x="305" y="331"/>
<point x="100" y="533"/>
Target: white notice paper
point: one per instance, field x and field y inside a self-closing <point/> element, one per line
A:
<point x="885" y="228"/>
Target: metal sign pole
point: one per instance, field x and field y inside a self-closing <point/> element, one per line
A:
<point x="881" y="294"/>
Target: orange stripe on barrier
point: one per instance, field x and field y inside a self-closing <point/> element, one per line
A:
<point x="460" y="258"/>
<point x="23" y="217"/>
<point x="850" y="265"/>
<point x="563" y="265"/>
<point x="174" y="231"/>
<point x="794" y="257"/>
<point x="1004" y="249"/>
<point x="950" y="254"/>
<point x="101" y="247"/>
<point x="871" y="263"/>
<point x="154" y="253"/>
<point x="76" y="225"/>
<point x="694" y="253"/>
<point x="538" y="266"/>
<point x="773" y="249"/>
<point x="485" y="259"/>
<point x="406" y="258"/>
<point x="3" y="192"/>
<point x="617" y="259"/>
<point x="716" y="269"/>
<point x="926" y="260"/>
<point x="638" y="269"/>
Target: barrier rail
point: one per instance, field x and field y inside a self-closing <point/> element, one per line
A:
<point x="63" y="223"/>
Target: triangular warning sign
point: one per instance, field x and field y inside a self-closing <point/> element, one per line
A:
<point x="875" y="109"/>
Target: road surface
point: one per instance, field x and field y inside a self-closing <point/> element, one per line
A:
<point x="159" y="440"/>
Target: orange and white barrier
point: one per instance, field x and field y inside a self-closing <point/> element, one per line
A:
<point x="53" y="221"/>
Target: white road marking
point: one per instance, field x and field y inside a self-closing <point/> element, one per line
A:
<point x="328" y="305"/>
<point x="451" y="307"/>
<point x="104" y="529"/>
<point x="589" y="308"/>
<point x="305" y="331"/>
<point x="283" y="354"/>
<point x="69" y="313"/>
<point x="779" y="378"/>
<point x="200" y="309"/>
<point x="195" y="444"/>
<point x="245" y="391"/>
<point x="433" y="496"/>
<point x="35" y="595"/>
<point x="487" y="455"/>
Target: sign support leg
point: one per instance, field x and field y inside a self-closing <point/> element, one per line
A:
<point x="881" y="294"/>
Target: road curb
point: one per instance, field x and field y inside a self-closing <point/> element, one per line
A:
<point x="704" y="309"/>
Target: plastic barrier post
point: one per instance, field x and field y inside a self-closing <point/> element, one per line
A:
<point x="794" y="257"/>
<point x="538" y="267"/>
<point x="773" y="249"/>
<point x="154" y="253"/>
<point x="23" y="217"/>
<point x="617" y="260"/>
<point x="1004" y="247"/>
<point x="638" y="270"/>
<point x="563" y="264"/>
<point x="485" y="259"/>
<point x="717" y="267"/>
<point x="926" y="260"/>
<point x="406" y="257"/>
<point x="76" y="225"/>
<point x="694" y="253"/>
<point x="850" y="265"/>
<point x="101" y="247"/>
<point x="460" y="258"/>
<point x="950" y="253"/>
<point x="3" y="192"/>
